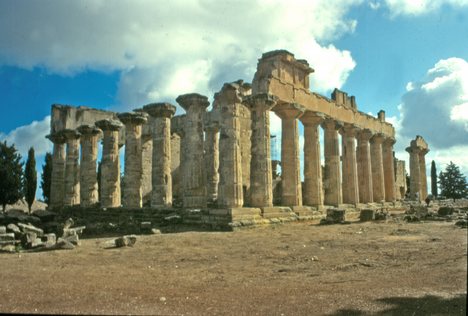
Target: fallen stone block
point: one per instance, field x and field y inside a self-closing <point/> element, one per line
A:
<point x="10" y="248"/>
<point x="68" y="223"/>
<point x="63" y="244"/>
<point x="74" y="239"/>
<point x="73" y="231"/>
<point x="445" y="210"/>
<point x="14" y="229"/>
<point x="45" y="216"/>
<point x="3" y="229"/>
<point x="7" y="237"/>
<point x="463" y="223"/>
<point x="367" y="215"/>
<point x="155" y="231"/>
<point x="336" y="215"/>
<point x="125" y="241"/>
<point x="49" y="238"/>
<point x="30" y="228"/>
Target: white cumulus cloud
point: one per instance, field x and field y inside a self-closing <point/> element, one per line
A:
<point x="419" y="7"/>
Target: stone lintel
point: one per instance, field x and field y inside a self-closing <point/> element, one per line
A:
<point x="71" y="134"/>
<point x="312" y="118"/>
<point x="133" y="118"/>
<point x="88" y="129"/>
<point x="289" y="110"/>
<point x="109" y="125"/>
<point x="161" y="109"/>
<point x="192" y="99"/>
<point x="56" y="138"/>
<point x="330" y="123"/>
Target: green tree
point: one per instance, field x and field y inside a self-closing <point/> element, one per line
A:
<point x="46" y="177"/>
<point x="30" y="179"/>
<point x="11" y="174"/>
<point x="434" y="179"/>
<point x="453" y="183"/>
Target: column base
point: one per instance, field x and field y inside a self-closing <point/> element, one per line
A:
<point x="308" y="212"/>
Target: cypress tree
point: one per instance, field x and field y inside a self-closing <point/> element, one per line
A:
<point x="46" y="177"/>
<point x="434" y="179"/>
<point x="30" y="179"/>
<point x="11" y="174"/>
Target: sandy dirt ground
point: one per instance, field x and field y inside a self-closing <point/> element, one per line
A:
<point x="384" y="268"/>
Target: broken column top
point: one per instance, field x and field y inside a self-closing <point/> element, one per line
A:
<point x="88" y="129"/>
<point x="161" y="109"/>
<point x="418" y="144"/>
<point x="56" y="138"/>
<point x="137" y="118"/>
<point x="71" y="134"/>
<point x="109" y="125"/>
<point x="192" y="99"/>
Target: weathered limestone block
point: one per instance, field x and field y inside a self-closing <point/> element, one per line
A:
<point x="332" y="176"/>
<point x="147" y="164"/>
<point x="261" y="189"/>
<point x="367" y="215"/>
<point x="212" y="160"/>
<point x="72" y="168"/>
<point x="57" y="185"/>
<point x="132" y="188"/>
<point x="422" y="172"/>
<point x="88" y="175"/>
<point x="110" y="163"/>
<point x="230" y="192"/>
<point x="418" y="184"/>
<point x="389" y="170"/>
<point x="194" y="179"/>
<point x="161" y="114"/>
<point x="313" y="190"/>
<point x="378" y="184"/>
<point x="350" y="175"/>
<point x="176" y="170"/>
<point x="290" y="163"/>
<point x="364" y="166"/>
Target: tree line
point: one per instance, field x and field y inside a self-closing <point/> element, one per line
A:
<point x="18" y="180"/>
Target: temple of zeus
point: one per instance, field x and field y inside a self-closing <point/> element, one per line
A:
<point x="220" y="158"/>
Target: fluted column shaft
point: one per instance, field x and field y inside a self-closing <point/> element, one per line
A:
<point x="212" y="161"/>
<point x="194" y="179"/>
<point x="57" y="184"/>
<point x="72" y="168"/>
<point x="110" y="164"/>
<point x="133" y="169"/>
<point x="291" y="186"/>
<point x="313" y="191"/>
<point x="350" y="175"/>
<point x="415" y="173"/>
<point x="332" y="176"/>
<point x="146" y="166"/>
<point x="378" y="181"/>
<point x="423" y="175"/>
<point x="261" y="179"/>
<point x="230" y="166"/>
<point x="389" y="170"/>
<point x="161" y="114"/>
<point x="364" y="167"/>
<point x="88" y="176"/>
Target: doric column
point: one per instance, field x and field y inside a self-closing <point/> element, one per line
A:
<point x="133" y="169"/>
<point x="378" y="184"/>
<point x="389" y="170"/>
<point x="261" y="183"/>
<point x="350" y="185"/>
<point x="291" y="187"/>
<point x="422" y="172"/>
<point x="364" y="166"/>
<point x="146" y="166"/>
<point x="194" y="179"/>
<point x="88" y="175"/>
<point x="110" y="163"/>
<point x="230" y="192"/>
<point x="57" y="184"/>
<point x="212" y="160"/>
<point x="161" y="114"/>
<point x="72" y="168"/>
<point x="332" y="176"/>
<point x="415" y="173"/>
<point x="313" y="194"/>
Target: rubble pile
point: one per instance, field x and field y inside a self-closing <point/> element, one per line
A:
<point x="447" y="213"/>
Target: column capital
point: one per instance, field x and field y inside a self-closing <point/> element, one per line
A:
<point x="365" y="134"/>
<point x="312" y="118"/>
<point x="89" y="130"/>
<point x="57" y="137"/>
<point x="191" y="100"/>
<point x="289" y="110"/>
<point x="263" y="101"/>
<point x="230" y="93"/>
<point x="161" y="109"/>
<point x="413" y="150"/>
<point x="133" y="118"/>
<point x="330" y="123"/>
<point x="389" y="141"/>
<point x="349" y="130"/>
<point x="70" y="134"/>
<point x="424" y="151"/>
<point x="109" y="125"/>
<point x="378" y="138"/>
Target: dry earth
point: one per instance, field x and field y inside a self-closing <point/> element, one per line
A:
<point x="391" y="268"/>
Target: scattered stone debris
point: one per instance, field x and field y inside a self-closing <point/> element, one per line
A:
<point x="334" y="216"/>
<point x="367" y="215"/>
<point x="125" y="241"/>
<point x="445" y="210"/>
<point x="382" y="214"/>
<point x="411" y="218"/>
<point x="462" y="223"/>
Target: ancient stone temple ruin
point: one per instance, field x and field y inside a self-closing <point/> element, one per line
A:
<point x="219" y="160"/>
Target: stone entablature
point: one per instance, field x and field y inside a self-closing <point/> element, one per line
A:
<point x="221" y="157"/>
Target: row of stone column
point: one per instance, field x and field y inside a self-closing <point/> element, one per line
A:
<point x="418" y="176"/>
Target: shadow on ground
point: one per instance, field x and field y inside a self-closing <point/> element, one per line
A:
<point x="427" y="305"/>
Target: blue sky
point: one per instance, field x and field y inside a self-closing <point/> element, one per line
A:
<point x="409" y="58"/>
